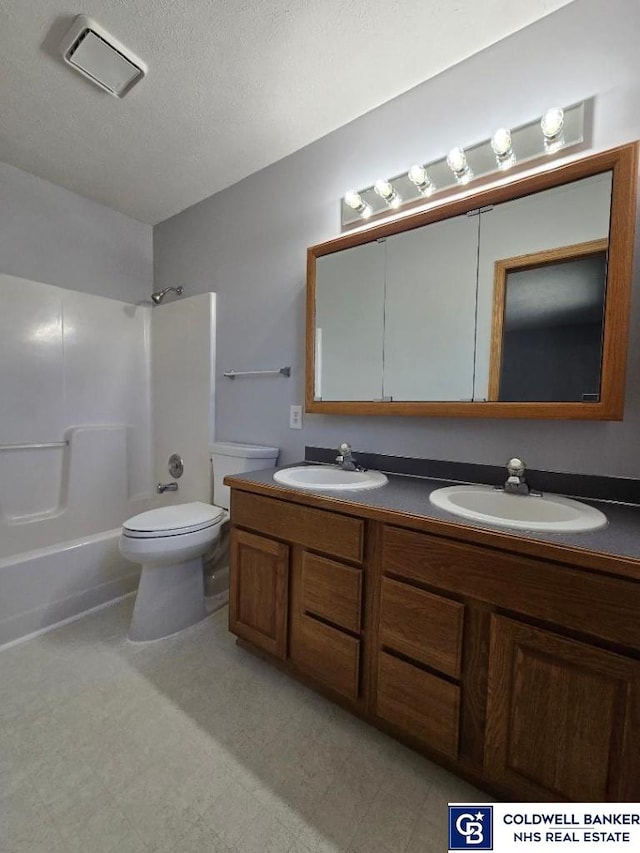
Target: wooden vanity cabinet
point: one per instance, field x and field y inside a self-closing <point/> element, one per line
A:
<point x="305" y="606"/>
<point x="548" y="710"/>
<point x="519" y="672"/>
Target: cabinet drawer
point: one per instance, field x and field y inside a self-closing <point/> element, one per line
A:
<point x="327" y="655"/>
<point x="593" y="604"/>
<point x="332" y="590"/>
<point x="422" y="626"/>
<point x="329" y="532"/>
<point x="419" y="704"/>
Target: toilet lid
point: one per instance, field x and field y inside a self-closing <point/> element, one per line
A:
<point x="174" y="520"/>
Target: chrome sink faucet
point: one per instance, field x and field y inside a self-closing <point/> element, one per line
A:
<point x="346" y="460"/>
<point x="515" y="483"/>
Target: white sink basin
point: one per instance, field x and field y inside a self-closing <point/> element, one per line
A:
<point x="549" y="513"/>
<point x="324" y="478"/>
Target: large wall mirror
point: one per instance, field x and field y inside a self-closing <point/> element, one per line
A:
<point x="513" y="302"/>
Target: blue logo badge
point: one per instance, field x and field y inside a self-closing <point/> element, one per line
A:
<point x="470" y="827"/>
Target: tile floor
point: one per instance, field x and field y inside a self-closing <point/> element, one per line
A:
<point x="190" y="744"/>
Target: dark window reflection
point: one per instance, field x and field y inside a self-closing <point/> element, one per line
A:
<point x="552" y="332"/>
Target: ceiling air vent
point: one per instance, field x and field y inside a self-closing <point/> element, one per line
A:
<point x="94" y="52"/>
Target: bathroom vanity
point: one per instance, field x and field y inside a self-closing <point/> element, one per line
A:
<point x="513" y="660"/>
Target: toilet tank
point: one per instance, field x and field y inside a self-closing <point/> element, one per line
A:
<point x="227" y="457"/>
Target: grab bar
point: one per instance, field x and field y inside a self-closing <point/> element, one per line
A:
<point x="34" y="445"/>
<point x="284" y="371"/>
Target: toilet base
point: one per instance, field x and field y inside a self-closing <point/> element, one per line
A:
<point x="169" y="599"/>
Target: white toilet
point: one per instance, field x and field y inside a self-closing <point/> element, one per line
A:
<point x="171" y="541"/>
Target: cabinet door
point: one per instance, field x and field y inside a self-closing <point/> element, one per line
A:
<point x="560" y="716"/>
<point x="258" y="591"/>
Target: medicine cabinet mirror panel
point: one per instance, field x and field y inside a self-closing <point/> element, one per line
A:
<point x="350" y="324"/>
<point x="429" y="311"/>
<point x="545" y="296"/>
<point x="510" y="303"/>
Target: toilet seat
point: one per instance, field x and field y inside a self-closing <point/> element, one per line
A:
<point x="170" y="521"/>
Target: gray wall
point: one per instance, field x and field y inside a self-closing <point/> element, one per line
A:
<point x="248" y="243"/>
<point x="52" y="235"/>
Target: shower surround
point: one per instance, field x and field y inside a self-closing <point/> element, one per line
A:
<point x="75" y="449"/>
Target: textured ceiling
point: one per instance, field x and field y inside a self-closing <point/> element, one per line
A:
<point x="232" y="85"/>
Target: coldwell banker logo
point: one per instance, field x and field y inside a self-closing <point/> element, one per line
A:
<point x="470" y="827"/>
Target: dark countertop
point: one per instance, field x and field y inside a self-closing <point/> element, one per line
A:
<point x="410" y="495"/>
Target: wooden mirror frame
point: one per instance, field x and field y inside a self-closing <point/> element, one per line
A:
<point x="623" y="163"/>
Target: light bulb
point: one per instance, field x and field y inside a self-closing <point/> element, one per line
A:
<point x="552" y="122"/>
<point x="457" y="160"/>
<point x="386" y="191"/>
<point x="502" y="148"/>
<point x="501" y="142"/>
<point x="419" y="176"/>
<point x="353" y="200"/>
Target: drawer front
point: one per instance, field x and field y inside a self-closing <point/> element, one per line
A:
<point x="423" y="626"/>
<point x="419" y="704"/>
<point x="332" y="590"/>
<point x="594" y="604"/>
<point x="328" y="532"/>
<point x="328" y="655"/>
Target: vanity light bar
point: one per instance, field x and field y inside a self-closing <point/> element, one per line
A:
<point x="557" y="130"/>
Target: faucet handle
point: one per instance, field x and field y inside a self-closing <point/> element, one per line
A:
<point x="344" y="449"/>
<point x="516" y="467"/>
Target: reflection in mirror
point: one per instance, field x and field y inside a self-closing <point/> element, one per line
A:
<point x="548" y="324"/>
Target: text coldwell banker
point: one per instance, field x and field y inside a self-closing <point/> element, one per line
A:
<point x="572" y="820"/>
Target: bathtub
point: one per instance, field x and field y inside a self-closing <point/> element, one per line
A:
<point x="45" y="586"/>
<point x="61" y="509"/>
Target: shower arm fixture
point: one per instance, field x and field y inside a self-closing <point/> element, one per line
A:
<point x="159" y="295"/>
